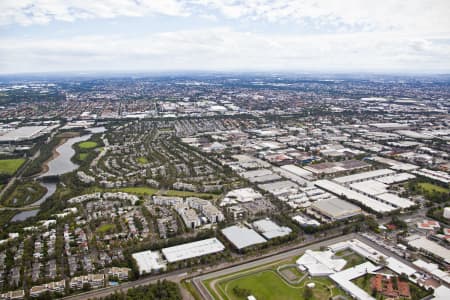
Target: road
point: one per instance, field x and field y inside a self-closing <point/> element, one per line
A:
<point x="178" y="276"/>
<point x="205" y="294"/>
<point x="18" y="175"/>
<point x="198" y="281"/>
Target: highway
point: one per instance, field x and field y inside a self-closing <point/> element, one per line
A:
<point x="200" y="275"/>
<point x="179" y="275"/>
<point x="198" y="281"/>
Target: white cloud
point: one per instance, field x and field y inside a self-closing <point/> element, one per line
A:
<point x="360" y="35"/>
<point x="411" y="15"/>
<point x="27" y="12"/>
<point x="225" y="49"/>
<point x="386" y="15"/>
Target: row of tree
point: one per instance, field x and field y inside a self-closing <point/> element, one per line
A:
<point x="161" y="290"/>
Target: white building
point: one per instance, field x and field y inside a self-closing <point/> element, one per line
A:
<point x="149" y="261"/>
<point x="242" y="237"/>
<point x="191" y="250"/>
<point x="344" y="280"/>
<point x="447" y="212"/>
<point x="270" y="229"/>
<point x="320" y="263"/>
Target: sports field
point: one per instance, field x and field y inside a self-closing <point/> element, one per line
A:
<point x="267" y="283"/>
<point x="10" y="166"/>
<point x="87" y="145"/>
<point x="429" y="188"/>
<point x="142" y="160"/>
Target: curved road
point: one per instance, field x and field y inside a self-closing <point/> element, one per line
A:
<point x="178" y="276"/>
<point x="198" y="281"/>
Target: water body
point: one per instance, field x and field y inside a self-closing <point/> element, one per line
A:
<point x="22" y="216"/>
<point x="97" y="129"/>
<point x="62" y="164"/>
<point x="51" y="188"/>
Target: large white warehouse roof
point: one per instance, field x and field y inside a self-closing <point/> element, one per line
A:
<point x="242" y="237"/>
<point x="194" y="249"/>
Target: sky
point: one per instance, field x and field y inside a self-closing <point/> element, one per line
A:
<point x="395" y="36"/>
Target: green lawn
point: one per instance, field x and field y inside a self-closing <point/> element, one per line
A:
<point x="82" y="156"/>
<point x="267" y="285"/>
<point x="6" y="216"/>
<point x="429" y="188"/>
<point x="142" y="160"/>
<point x="294" y="271"/>
<point x="106" y="228"/>
<point x="87" y="145"/>
<point x="190" y="194"/>
<point x="148" y="191"/>
<point x="10" y="166"/>
<point x="353" y="260"/>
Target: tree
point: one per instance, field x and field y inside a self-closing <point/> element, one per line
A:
<point x="86" y="287"/>
<point x="382" y="261"/>
<point x="307" y="293"/>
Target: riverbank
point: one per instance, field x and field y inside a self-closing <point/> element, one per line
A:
<point x="55" y="154"/>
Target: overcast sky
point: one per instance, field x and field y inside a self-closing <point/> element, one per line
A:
<point x="225" y="35"/>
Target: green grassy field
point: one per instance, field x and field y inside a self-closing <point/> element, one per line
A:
<point x="353" y="260"/>
<point x="142" y="160"/>
<point x="429" y="188"/>
<point x="148" y="191"/>
<point x="5" y="216"/>
<point x="264" y="282"/>
<point x="82" y="156"/>
<point x="294" y="270"/>
<point x="10" y="166"/>
<point x="268" y="284"/>
<point x="106" y="228"/>
<point x="140" y="190"/>
<point x="190" y="194"/>
<point x="87" y="145"/>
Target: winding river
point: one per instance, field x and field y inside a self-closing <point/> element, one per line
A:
<point x="59" y="165"/>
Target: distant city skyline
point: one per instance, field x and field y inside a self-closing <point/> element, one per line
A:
<point x="225" y="35"/>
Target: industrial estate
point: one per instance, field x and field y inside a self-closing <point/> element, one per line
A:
<point x="225" y="187"/>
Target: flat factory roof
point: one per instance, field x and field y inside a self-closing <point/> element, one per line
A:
<point x="364" y="176"/>
<point x="396" y="178"/>
<point x="340" y="190"/>
<point x="270" y="229"/>
<point x="298" y="171"/>
<point x="194" y="249"/>
<point x="370" y="187"/>
<point x="336" y="208"/>
<point x="22" y="133"/>
<point x="242" y="237"/>
<point x="395" y="200"/>
<point x="148" y="261"/>
<point x="431" y="247"/>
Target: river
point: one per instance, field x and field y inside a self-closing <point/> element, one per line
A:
<point x="61" y="164"/>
